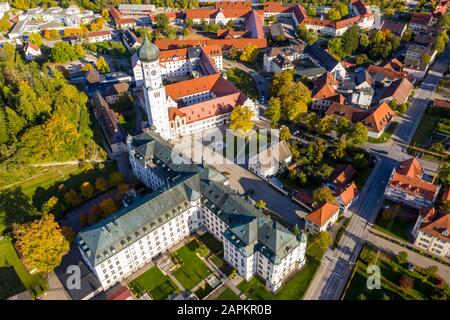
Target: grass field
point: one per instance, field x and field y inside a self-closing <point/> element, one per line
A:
<point x="400" y="227"/>
<point x="425" y="130"/>
<point x="228" y="294"/>
<point x="386" y="135"/>
<point x="192" y="269"/>
<point x="243" y="82"/>
<point x="155" y="283"/>
<point x="294" y="289"/>
<point x="14" y="277"/>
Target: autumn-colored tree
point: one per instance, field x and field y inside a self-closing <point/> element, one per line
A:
<point x="95" y="215"/>
<point x="273" y="111"/>
<point x="241" y="119"/>
<point x="36" y="38"/>
<point x="260" y="204"/>
<point x="402" y="257"/>
<point x="108" y="207"/>
<point x="323" y="240"/>
<point x="72" y="198"/>
<point x="323" y="194"/>
<point x="5" y="24"/>
<point x="50" y="205"/>
<point x="122" y="189"/>
<point x="406" y="282"/>
<point x="101" y="184"/>
<point x="87" y="67"/>
<point x="115" y="178"/>
<point x="105" y="13"/>
<point x="249" y="53"/>
<point x="87" y="190"/>
<point x="41" y="243"/>
<point x="285" y="134"/>
<point x="102" y="65"/>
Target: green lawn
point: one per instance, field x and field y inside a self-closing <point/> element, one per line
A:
<point x="386" y="135"/>
<point x="400" y="228"/>
<point x="192" y="269"/>
<point x="228" y="294"/>
<point x="314" y="251"/>
<point x="294" y="289"/>
<point x="214" y="245"/>
<point x="425" y="130"/>
<point x="201" y="293"/>
<point x="243" y="82"/>
<point x="21" y="202"/>
<point x="155" y="283"/>
<point x="391" y="272"/>
<point x="14" y="277"/>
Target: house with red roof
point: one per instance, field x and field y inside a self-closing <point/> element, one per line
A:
<point x="32" y="51"/>
<point x="407" y="187"/>
<point x="431" y="231"/>
<point x="322" y="218"/>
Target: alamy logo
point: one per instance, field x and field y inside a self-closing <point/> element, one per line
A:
<point x="74" y="279"/>
<point x="374" y="279"/>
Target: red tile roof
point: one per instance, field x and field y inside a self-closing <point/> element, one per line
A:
<point x="410" y="168"/>
<point x="342" y="175"/>
<point x="446" y="194"/>
<point x="98" y="33"/>
<point x="379" y="117"/>
<point x="33" y="46"/>
<point x="323" y="214"/>
<point x="441" y="103"/>
<point x="349" y="194"/>
<point x="399" y="90"/>
<point x="392" y="64"/>
<point x="226" y="44"/>
<point x="387" y="72"/>
<point x="439" y="228"/>
<point x="421" y="18"/>
<point x="234" y="4"/>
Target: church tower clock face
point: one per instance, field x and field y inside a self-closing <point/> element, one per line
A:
<point x="153" y="72"/>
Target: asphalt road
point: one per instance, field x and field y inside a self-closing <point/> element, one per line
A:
<point x="336" y="266"/>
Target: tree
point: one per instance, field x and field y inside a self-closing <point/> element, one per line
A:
<point x="72" y="198"/>
<point x="260" y="204"/>
<point x="322" y="195"/>
<point x="79" y="50"/>
<point x="350" y="40"/>
<point x="364" y="40"/>
<point x="41" y="243"/>
<point x="426" y="58"/>
<point x="407" y="35"/>
<point x="87" y="67"/>
<point x="87" y="190"/>
<point x="63" y="52"/>
<point x="360" y="161"/>
<point x="335" y="48"/>
<point x="444" y="174"/>
<point x="249" y="53"/>
<point x="334" y="14"/>
<point x="358" y="134"/>
<point x="98" y="24"/>
<point x="361" y="59"/>
<point x="326" y="124"/>
<point x="105" y="13"/>
<point x="342" y="8"/>
<point x="285" y="134"/>
<point x="308" y="36"/>
<point x="361" y="296"/>
<point x="430" y="271"/>
<point x="50" y="204"/>
<point x="273" y="111"/>
<point x="51" y="34"/>
<point x="4" y="23"/>
<point x="162" y="23"/>
<point x="406" y="282"/>
<point x="441" y="41"/>
<point x="241" y="118"/>
<point x="101" y="184"/>
<point x="339" y="151"/>
<point x="102" y="65"/>
<point x="323" y="240"/>
<point x="343" y="126"/>
<point x="122" y="189"/>
<point x="444" y="21"/>
<point x="36" y="39"/>
<point x="115" y="178"/>
<point x="108" y="207"/>
<point x="324" y="171"/>
<point x="312" y="12"/>
<point x="402" y="257"/>
<point x="296" y="231"/>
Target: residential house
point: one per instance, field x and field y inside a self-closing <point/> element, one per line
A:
<point x="346" y="196"/>
<point x="267" y="162"/>
<point x="441" y="103"/>
<point x="282" y="58"/>
<point x="415" y="65"/>
<point x="325" y="93"/>
<point x="114" y="91"/>
<point x="392" y="64"/>
<point x="130" y="40"/>
<point x="431" y="231"/>
<point x="32" y="51"/>
<point x="340" y="182"/>
<point x="98" y="36"/>
<point x="363" y="92"/>
<point x="322" y="218"/>
<point x="407" y="187"/>
<point x="321" y="57"/>
<point x="420" y="21"/>
<point x="384" y="75"/>
<point x="396" y="28"/>
<point x="376" y="119"/>
<point x="398" y="91"/>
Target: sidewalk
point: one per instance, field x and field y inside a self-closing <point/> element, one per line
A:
<point x="413" y="257"/>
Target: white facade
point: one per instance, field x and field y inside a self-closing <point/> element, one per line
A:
<point x="31" y="53"/>
<point x="432" y="244"/>
<point x="99" y="38"/>
<point x="4" y="7"/>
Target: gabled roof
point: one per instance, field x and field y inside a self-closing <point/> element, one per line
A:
<point x="348" y="194"/>
<point x="396" y="28"/>
<point x="342" y="175"/>
<point x="410" y="168"/>
<point x="384" y="73"/>
<point x="421" y="18"/>
<point x="392" y="64"/>
<point x="439" y="228"/>
<point x="116" y="89"/>
<point x="322" y="56"/>
<point x="379" y="117"/>
<point x="323" y="214"/>
<point x="399" y="90"/>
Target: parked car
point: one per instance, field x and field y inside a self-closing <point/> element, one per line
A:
<point x="410" y="267"/>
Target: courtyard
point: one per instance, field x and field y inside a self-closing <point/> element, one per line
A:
<point x="154" y="283"/>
